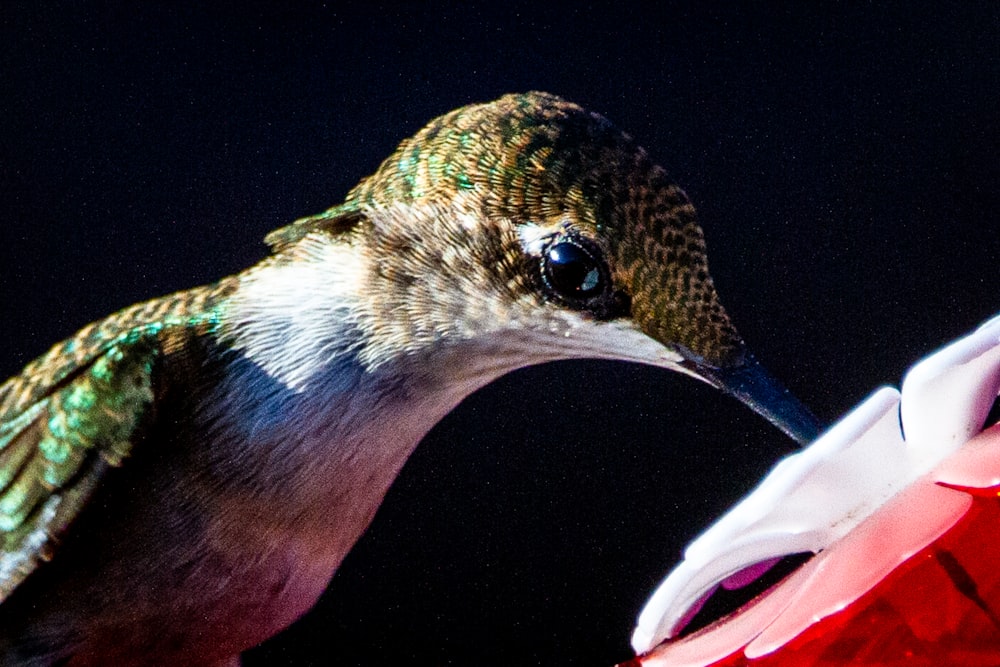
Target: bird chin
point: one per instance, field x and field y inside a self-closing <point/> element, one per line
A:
<point x="622" y="340"/>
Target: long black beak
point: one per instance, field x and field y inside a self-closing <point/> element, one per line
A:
<point x="761" y="392"/>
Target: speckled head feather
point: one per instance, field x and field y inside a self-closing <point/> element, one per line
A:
<point x="536" y="158"/>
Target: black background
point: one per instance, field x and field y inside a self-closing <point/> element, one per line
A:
<point x="845" y="165"/>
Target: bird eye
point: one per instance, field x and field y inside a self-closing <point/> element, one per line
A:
<point x="571" y="268"/>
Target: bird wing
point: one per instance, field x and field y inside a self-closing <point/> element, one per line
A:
<point x="335" y="220"/>
<point x="76" y="411"/>
<point x="63" y="422"/>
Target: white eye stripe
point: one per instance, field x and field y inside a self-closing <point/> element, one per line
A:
<point x="535" y="237"/>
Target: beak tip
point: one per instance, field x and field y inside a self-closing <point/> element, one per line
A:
<point x="755" y="387"/>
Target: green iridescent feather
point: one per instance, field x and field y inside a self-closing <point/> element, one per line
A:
<point x="73" y="414"/>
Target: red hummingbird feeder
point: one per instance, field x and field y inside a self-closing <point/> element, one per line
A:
<point x="898" y="503"/>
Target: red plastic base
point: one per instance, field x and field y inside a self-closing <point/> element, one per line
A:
<point x="940" y="607"/>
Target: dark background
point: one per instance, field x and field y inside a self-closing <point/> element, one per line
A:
<point x="845" y="165"/>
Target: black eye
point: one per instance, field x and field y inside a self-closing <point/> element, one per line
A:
<point x="571" y="268"/>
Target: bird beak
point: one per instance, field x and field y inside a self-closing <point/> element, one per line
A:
<point x="752" y="385"/>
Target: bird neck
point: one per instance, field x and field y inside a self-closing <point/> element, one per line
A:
<point x="331" y="385"/>
<point x="319" y="461"/>
<point x="319" y="430"/>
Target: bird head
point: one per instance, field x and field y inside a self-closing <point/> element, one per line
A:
<point x="527" y="230"/>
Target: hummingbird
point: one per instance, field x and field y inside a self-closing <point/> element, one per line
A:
<point x="180" y="480"/>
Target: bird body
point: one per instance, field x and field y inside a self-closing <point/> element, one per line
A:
<point x="179" y="481"/>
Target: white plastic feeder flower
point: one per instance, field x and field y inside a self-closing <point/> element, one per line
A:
<point x="877" y="490"/>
